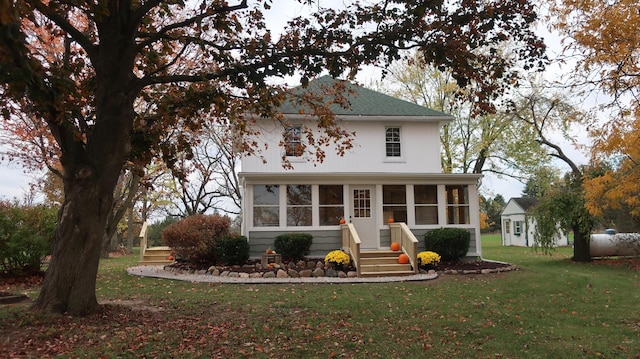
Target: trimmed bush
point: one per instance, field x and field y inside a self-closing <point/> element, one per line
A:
<point x="194" y="238"/>
<point x="232" y="250"/>
<point x="26" y="236"/>
<point x="451" y="244"/>
<point x="293" y="246"/>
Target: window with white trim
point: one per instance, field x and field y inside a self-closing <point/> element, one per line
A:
<point x="426" y="203"/>
<point x="517" y="227"/>
<point x="266" y="205"/>
<point x="392" y="142"/>
<point x="299" y="205"/>
<point x="394" y="202"/>
<point x="293" y="141"/>
<point x="331" y="204"/>
<point x="457" y="204"/>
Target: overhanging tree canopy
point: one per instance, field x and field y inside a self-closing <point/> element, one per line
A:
<point x="82" y="72"/>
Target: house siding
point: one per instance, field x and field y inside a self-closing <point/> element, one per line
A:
<point x="324" y="241"/>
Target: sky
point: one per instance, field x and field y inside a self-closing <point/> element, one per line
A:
<point x="14" y="183"/>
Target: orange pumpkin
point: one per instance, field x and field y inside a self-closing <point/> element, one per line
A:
<point x="403" y="259"/>
<point x="170" y="258"/>
<point x="395" y="246"/>
<point x="342" y="221"/>
<point x="391" y="220"/>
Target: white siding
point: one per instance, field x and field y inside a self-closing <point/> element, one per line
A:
<point x="420" y="150"/>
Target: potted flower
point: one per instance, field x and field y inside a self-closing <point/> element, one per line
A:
<point x="428" y="260"/>
<point x="338" y="259"/>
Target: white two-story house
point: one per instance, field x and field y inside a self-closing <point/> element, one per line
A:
<point x="393" y="171"/>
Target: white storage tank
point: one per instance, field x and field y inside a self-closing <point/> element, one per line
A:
<point x="611" y="244"/>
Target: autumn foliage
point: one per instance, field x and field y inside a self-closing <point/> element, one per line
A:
<point x="194" y="238"/>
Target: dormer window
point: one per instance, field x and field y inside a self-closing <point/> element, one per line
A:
<point x="293" y="141"/>
<point x="392" y="141"/>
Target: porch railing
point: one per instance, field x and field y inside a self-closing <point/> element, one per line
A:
<point x="143" y="240"/>
<point x="351" y="244"/>
<point x="401" y="233"/>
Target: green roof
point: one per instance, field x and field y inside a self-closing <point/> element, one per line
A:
<point x="363" y="102"/>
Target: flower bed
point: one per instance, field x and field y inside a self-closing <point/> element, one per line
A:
<point x="318" y="268"/>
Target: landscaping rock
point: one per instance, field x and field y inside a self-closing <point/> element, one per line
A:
<point x="318" y="272"/>
<point x="255" y="275"/>
<point x="301" y="264"/>
<point x="306" y="273"/>
<point x="331" y="272"/>
<point x="269" y="275"/>
<point x="342" y="274"/>
<point x="243" y="275"/>
<point x="311" y="264"/>
<point x="293" y="273"/>
<point x="352" y="274"/>
<point x="282" y="274"/>
<point x="319" y="264"/>
<point x="233" y="275"/>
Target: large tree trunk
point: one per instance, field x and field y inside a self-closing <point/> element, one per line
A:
<point x="70" y="283"/>
<point x="581" y="249"/>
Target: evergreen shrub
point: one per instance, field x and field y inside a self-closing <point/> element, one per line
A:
<point x="293" y="246"/>
<point x="451" y="244"/>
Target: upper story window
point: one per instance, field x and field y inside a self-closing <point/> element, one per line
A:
<point x="293" y="141"/>
<point x="392" y="142"/>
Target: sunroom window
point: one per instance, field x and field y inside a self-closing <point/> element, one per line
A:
<point x="266" y="205"/>
<point x="457" y="204"/>
<point x="299" y="211"/>
<point x="394" y="204"/>
<point x="331" y="205"/>
<point x="426" y="204"/>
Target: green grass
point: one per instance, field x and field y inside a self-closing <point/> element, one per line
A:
<point x="549" y="308"/>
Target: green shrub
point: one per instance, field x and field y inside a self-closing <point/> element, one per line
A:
<point x="154" y="231"/>
<point x="232" y="250"/>
<point x="26" y="236"/>
<point x="451" y="243"/>
<point x="194" y="238"/>
<point x="293" y="246"/>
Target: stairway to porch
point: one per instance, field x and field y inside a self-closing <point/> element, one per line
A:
<point x="155" y="256"/>
<point x="382" y="263"/>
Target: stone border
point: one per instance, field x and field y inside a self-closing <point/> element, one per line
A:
<point x="283" y="275"/>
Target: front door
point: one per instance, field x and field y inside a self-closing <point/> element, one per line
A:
<point x="363" y="216"/>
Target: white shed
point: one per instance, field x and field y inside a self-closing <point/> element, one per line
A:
<point x="518" y="225"/>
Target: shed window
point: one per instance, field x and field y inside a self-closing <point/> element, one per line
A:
<point x="517" y="227"/>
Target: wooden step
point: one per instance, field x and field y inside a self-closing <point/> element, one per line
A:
<point x="380" y="260"/>
<point x="156" y="256"/>
<point x="397" y="267"/>
<point x="380" y="253"/>
<point x="386" y="274"/>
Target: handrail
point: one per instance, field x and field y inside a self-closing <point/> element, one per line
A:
<point x="351" y="244"/>
<point x="143" y="240"/>
<point x="401" y="233"/>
